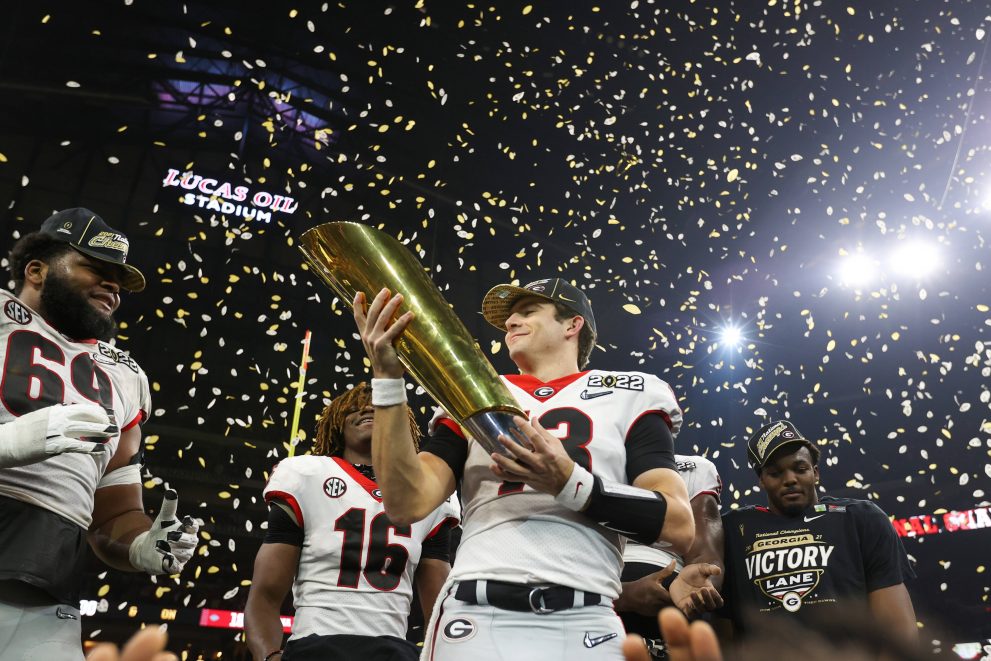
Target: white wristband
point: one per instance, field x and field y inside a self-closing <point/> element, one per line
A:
<point x="388" y="392"/>
<point x="577" y="490"/>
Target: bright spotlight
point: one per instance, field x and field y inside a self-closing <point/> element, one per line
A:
<point x="857" y="270"/>
<point x="730" y="336"/>
<point x="915" y="258"/>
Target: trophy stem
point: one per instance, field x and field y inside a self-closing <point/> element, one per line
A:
<point x="486" y="427"/>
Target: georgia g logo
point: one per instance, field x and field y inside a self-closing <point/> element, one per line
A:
<point x="458" y="630"/>
<point x="335" y="487"/>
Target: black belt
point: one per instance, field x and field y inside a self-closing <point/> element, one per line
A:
<point x="540" y="599"/>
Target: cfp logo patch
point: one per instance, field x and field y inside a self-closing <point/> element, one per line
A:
<point x="17" y="312"/>
<point x="459" y="630"/>
<point x="335" y="487"/>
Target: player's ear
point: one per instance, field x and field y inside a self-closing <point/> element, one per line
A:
<point x="35" y="272"/>
<point x="575" y="325"/>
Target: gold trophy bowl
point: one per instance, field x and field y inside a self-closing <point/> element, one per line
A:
<point x="436" y="348"/>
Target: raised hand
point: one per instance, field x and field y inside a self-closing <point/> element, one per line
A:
<point x="379" y="332"/>
<point x="167" y="546"/>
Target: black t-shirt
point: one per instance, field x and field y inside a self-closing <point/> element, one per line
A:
<point x="838" y="550"/>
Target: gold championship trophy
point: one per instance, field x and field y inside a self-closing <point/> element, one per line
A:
<point x="436" y="348"/>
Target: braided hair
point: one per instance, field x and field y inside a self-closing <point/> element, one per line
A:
<point x="329" y="437"/>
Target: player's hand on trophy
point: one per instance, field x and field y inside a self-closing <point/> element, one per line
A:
<point x="693" y="591"/>
<point x="646" y="595"/>
<point x="544" y="465"/>
<point x="379" y="331"/>
<point x="167" y="546"/>
<point x="53" y="430"/>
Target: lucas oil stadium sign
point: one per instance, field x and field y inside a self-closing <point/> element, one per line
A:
<point x="228" y="199"/>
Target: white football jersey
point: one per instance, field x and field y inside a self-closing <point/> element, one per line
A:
<point x="356" y="568"/>
<point x="515" y="534"/>
<point x="701" y="478"/>
<point x="42" y="367"/>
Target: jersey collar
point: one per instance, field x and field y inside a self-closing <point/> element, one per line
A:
<point x="541" y="390"/>
<point x="368" y="485"/>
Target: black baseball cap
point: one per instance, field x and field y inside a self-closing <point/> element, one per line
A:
<point x="772" y="437"/>
<point x="500" y="299"/>
<point x="89" y="234"/>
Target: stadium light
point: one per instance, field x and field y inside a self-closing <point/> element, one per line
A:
<point x="857" y="270"/>
<point x="730" y="336"/>
<point x="915" y="258"/>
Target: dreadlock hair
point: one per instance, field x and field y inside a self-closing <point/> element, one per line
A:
<point x="30" y="247"/>
<point x="328" y="440"/>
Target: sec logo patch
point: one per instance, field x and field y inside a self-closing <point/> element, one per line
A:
<point x="335" y="487"/>
<point x="17" y="312"/>
<point x="459" y="630"/>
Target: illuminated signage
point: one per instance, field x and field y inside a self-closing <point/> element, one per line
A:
<point x="228" y="198"/>
<point x="977" y="518"/>
<point x="221" y="619"/>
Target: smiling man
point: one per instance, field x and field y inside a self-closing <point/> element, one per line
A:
<point x="71" y="409"/>
<point x="804" y="556"/>
<point x="539" y="563"/>
<point x="353" y="567"/>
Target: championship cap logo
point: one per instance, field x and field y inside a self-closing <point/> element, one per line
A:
<point x="769" y="436"/>
<point x="89" y="234"/>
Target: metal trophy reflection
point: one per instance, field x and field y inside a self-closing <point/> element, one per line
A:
<point x="436" y="348"/>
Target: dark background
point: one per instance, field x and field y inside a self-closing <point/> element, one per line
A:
<point x="688" y="164"/>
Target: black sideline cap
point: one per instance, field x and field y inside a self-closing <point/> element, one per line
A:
<point x="89" y="234"/>
<point x="773" y="436"/>
<point x="500" y="299"/>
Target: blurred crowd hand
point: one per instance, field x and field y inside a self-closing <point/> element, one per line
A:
<point x="848" y="633"/>
<point x="146" y="645"/>
<point x="684" y="642"/>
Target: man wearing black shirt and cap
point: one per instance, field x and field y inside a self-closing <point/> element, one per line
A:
<point x="803" y="556"/>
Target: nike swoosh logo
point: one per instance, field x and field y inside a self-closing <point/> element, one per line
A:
<point x="592" y="395"/>
<point x="807" y="519"/>
<point x="590" y="642"/>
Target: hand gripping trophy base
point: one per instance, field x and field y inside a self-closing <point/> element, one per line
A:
<point x="486" y="427"/>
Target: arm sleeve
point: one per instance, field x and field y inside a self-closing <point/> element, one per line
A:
<point x="438" y="545"/>
<point x="884" y="557"/>
<point x="449" y="443"/>
<point x="649" y="445"/>
<point x="281" y="527"/>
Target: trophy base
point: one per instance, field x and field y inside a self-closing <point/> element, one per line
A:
<point x="486" y="427"/>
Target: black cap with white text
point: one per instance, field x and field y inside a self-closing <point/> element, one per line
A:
<point x="89" y="234"/>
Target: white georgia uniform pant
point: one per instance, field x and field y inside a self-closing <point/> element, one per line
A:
<point x="46" y="633"/>
<point x="485" y="633"/>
